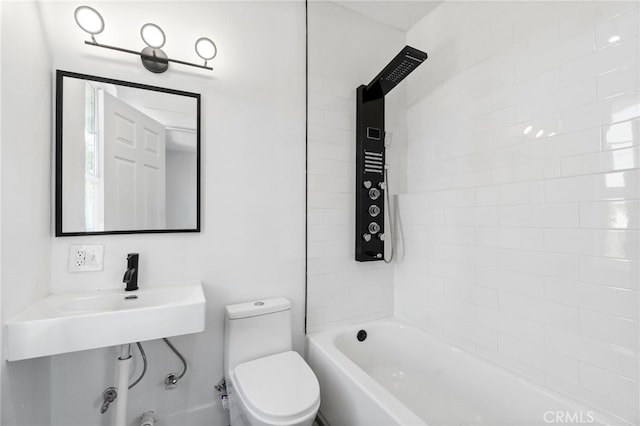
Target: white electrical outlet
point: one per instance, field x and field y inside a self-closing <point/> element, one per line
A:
<point x="86" y="258"/>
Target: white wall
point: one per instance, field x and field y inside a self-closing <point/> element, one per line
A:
<point x="345" y="51"/>
<point x="25" y="175"/>
<point x="521" y="217"/>
<point x="252" y="240"/>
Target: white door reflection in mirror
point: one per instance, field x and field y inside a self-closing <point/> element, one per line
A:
<point x="134" y="164"/>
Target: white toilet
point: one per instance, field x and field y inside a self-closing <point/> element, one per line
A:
<point x="268" y="384"/>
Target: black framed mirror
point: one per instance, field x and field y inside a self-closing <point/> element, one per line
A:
<point x="127" y="157"/>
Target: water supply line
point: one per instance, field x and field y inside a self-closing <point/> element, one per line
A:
<point x="171" y="381"/>
<point x="144" y="365"/>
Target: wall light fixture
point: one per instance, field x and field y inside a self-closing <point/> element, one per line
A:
<point x="152" y="56"/>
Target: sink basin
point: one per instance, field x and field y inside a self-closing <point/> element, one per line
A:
<point x="71" y="322"/>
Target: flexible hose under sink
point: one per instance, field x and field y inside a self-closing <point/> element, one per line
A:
<point x="144" y="365"/>
<point x="179" y="355"/>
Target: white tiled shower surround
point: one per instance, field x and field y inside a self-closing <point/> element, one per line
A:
<point x="344" y="54"/>
<point x="519" y="184"/>
<point x="521" y="213"/>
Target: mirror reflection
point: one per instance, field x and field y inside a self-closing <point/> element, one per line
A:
<point x="127" y="157"/>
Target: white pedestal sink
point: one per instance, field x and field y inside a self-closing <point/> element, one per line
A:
<point x="71" y="322"/>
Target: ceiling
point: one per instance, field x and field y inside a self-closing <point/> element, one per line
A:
<point x="399" y="14"/>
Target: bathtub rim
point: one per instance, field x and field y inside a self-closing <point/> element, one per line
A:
<point x="324" y="341"/>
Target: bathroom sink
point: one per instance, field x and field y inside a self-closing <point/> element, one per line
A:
<point x="71" y="322"/>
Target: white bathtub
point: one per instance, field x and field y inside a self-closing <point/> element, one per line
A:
<point x="400" y="375"/>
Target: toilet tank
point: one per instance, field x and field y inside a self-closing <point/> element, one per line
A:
<point x="256" y="329"/>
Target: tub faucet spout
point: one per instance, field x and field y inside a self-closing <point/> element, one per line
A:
<point x="131" y="274"/>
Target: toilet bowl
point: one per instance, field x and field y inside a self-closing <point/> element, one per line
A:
<point x="268" y="383"/>
<point x="279" y="389"/>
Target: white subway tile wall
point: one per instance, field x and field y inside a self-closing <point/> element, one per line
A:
<point x="345" y="51"/>
<point x="521" y="214"/>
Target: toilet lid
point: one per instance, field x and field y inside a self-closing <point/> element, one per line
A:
<point x="280" y="386"/>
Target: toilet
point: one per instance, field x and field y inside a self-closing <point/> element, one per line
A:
<point x="268" y="383"/>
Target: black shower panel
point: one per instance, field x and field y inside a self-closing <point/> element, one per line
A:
<point x="370" y="153"/>
<point x="370" y="161"/>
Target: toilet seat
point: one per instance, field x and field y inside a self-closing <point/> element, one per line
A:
<point x="278" y="389"/>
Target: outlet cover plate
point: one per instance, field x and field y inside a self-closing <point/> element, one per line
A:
<point x="86" y="258"/>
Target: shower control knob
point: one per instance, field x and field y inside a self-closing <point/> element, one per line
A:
<point x="366" y="184"/>
<point x="374" y="210"/>
<point x="381" y="237"/>
<point x="374" y="193"/>
<point x="366" y="237"/>
<point x="374" y="228"/>
<point x="382" y="185"/>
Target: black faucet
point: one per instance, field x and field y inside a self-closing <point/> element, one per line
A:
<point x="131" y="274"/>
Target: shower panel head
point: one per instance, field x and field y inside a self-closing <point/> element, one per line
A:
<point x="401" y="66"/>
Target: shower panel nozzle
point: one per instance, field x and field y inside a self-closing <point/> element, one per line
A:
<point x="401" y="66"/>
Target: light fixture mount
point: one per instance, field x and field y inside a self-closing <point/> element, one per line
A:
<point x="155" y="60"/>
<point x="152" y="57"/>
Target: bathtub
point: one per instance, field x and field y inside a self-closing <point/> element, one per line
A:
<point x="400" y="375"/>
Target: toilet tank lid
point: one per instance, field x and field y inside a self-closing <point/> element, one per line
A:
<point x="257" y="307"/>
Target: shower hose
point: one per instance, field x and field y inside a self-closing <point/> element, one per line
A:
<point x="391" y="228"/>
